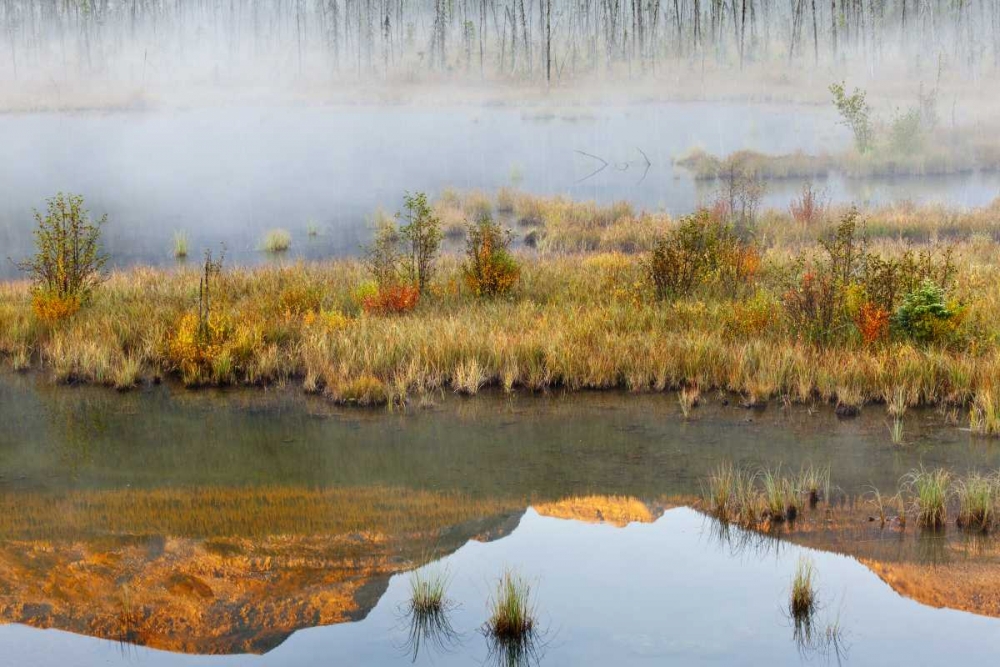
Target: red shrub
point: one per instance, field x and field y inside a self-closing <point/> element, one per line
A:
<point x="392" y="299"/>
<point x="873" y="322"/>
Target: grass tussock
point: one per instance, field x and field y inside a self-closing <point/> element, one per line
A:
<point x="180" y="245"/>
<point x="511" y="610"/>
<point x="760" y="500"/>
<point x="428" y="589"/>
<point x="276" y="240"/>
<point x="930" y="489"/>
<point x="803" y="596"/>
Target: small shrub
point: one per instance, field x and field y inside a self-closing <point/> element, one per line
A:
<point x="925" y="315"/>
<point x="68" y="260"/>
<point x="50" y="308"/>
<point x="427" y="591"/>
<point x="872" y="322"/>
<point x="382" y="256"/>
<point x="752" y="318"/>
<point x="855" y="114"/>
<point x="977" y="502"/>
<point x="489" y="269"/>
<point x="809" y="208"/>
<point x="422" y="232"/>
<point x="699" y="250"/>
<point x="392" y="299"/>
<point x="906" y="133"/>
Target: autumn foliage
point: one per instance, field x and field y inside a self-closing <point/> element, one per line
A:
<point x="489" y="269"/>
<point x="391" y="299"/>
<point x="872" y="322"/>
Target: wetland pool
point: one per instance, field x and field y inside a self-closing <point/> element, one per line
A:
<point x="176" y="527"/>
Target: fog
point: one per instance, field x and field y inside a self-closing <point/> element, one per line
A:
<point x="225" y="119"/>
<point x="55" y="45"/>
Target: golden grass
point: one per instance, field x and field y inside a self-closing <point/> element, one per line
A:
<point x="616" y="510"/>
<point x="583" y="320"/>
<point x="237" y="512"/>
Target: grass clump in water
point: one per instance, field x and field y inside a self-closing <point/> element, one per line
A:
<point x="930" y="490"/>
<point x="428" y="612"/>
<point x="759" y="500"/>
<point x="427" y="591"/>
<point x="803" y="599"/>
<point x="977" y="500"/>
<point x="276" y="240"/>
<point x="180" y="245"/>
<point x="512" y="613"/>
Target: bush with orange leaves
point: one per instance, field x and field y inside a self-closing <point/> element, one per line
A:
<point x="391" y="300"/>
<point x="872" y="322"/>
<point x="489" y="268"/>
<point x="50" y="307"/>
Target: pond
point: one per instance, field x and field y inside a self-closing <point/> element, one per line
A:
<point x="227" y="175"/>
<point x="174" y="527"/>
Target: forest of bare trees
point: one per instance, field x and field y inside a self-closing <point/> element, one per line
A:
<point x="541" y="40"/>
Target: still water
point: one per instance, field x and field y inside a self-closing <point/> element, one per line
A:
<point x="171" y="527"/>
<point x="227" y="175"/>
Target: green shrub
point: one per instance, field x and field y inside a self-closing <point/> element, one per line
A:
<point x="422" y="232"/>
<point x="926" y="316"/>
<point x="382" y="255"/>
<point x="489" y="269"/>
<point x="906" y="135"/>
<point x="856" y="114"/>
<point x="700" y="250"/>
<point x="68" y="260"/>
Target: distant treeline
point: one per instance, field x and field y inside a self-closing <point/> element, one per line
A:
<point x="209" y="40"/>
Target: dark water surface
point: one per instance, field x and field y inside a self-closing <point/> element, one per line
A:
<point x="171" y="527"/>
<point x="228" y="175"/>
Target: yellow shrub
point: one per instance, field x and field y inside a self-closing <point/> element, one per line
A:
<point x="50" y="308"/>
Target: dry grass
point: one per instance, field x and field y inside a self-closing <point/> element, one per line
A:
<point x="236" y="512"/>
<point x="578" y="321"/>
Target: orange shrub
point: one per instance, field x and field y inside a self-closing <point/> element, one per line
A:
<point x="873" y="322"/>
<point x="392" y="299"/>
<point x="49" y="307"/>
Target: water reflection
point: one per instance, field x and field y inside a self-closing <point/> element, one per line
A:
<point x="430" y="629"/>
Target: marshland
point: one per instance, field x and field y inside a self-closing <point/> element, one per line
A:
<point x="508" y="332"/>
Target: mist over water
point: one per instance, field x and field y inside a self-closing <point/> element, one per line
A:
<point x="226" y="175"/>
